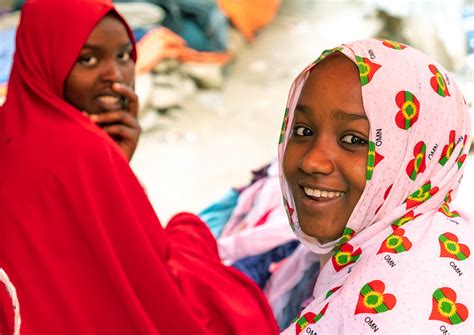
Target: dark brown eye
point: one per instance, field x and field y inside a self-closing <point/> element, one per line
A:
<point x="352" y="139"/>
<point x="124" y="56"/>
<point x="88" y="60"/>
<point x="302" y="131"/>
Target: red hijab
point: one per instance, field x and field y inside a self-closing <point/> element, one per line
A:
<point x="79" y="239"/>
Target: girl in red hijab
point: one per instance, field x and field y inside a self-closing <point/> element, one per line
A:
<point x="81" y="249"/>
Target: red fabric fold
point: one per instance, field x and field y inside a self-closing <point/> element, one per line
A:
<point x="78" y="236"/>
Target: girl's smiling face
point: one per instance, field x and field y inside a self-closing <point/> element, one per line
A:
<point x="326" y="155"/>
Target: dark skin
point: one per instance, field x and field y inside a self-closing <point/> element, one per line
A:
<point x="102" y="80"/>
<point x="122" y="125"/>
<point x="326" y="156"/>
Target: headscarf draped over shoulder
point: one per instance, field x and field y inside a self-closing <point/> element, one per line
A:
<point x="403" y="263"/>
<point x="81" y="245"/>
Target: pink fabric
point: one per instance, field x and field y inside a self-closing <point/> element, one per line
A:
<point x="408" y="265"/>
<point x="237" y="221"/>
<point x="287" y="276"/>
<point x="258" y="223"/>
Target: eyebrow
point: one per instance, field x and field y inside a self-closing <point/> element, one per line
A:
<point x="343" y="115"/>
<point x="303" y="109"/>
<point x="338" y="114"/>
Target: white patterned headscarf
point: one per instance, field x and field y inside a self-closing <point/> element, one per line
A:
<point x="403" y="264"/>
<point x="15" y="305"/>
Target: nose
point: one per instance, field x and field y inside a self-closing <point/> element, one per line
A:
<point x="318" y="158"/>
<point x="112" y="72"/>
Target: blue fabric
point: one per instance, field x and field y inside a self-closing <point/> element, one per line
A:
<point x="298" y="296"/>
<point x="258" y="267"/>
<point x="468" y="18"/>
<point x="138" y="33"/>
<point x="7" y="48"/>
<point x="219" y="213"/>
<point x="17" y="4"/>
<point x="199" y="22"/>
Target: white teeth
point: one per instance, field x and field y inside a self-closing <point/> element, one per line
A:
<point x="322" y="194"/>
<point x="109" y="99"/>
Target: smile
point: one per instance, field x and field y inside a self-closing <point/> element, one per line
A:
<point x="321" y="194"/>
<point x="110" y="102"/>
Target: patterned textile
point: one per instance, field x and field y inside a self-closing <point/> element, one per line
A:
<point x="403" y="264"/>
<point x="258" y="267"/>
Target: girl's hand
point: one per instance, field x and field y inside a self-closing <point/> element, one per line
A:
<point x="122" y="125"/>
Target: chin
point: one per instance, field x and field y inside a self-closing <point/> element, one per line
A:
<point x="311" y="233"/>
<point x="322" y="237"/>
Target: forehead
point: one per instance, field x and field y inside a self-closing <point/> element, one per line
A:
<point x="109" y="29"/>
<point x="335" y="70"/>
<point x="332" y="85"/>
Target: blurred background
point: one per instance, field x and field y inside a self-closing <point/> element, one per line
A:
<point x="213" y="77"/>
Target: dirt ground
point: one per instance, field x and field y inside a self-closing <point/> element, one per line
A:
<point x="193" y="155"/>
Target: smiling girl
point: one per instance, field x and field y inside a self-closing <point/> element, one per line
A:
<point x="372" y="152"/>
<point x="330" y="136"/>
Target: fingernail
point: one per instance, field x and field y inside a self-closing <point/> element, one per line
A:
<point x="94" y="117"/>
<point x="117" y="85"/>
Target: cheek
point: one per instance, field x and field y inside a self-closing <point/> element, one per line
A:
<point x="289" y="163"/>
<point x="73" y="89"/>
<point x="129" y="75"/>
<point x="358" y="174"/>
